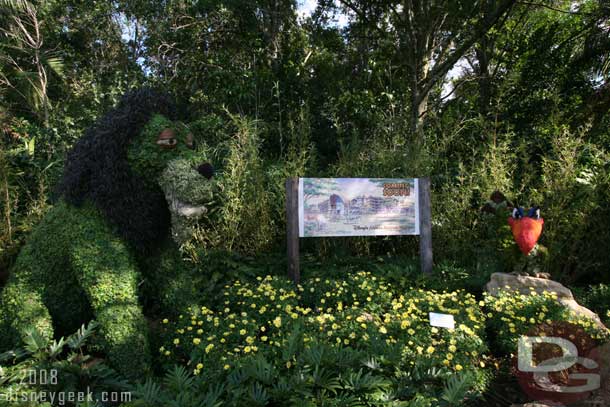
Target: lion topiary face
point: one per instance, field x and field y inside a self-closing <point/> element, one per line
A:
<point x="141" y="169"/>
<point x="165" y="154"/>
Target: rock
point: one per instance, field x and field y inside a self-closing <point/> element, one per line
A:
<point x="526" y="284"/>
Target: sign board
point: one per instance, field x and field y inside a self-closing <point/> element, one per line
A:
<point x="358" y="207"/>
<point x="442" y="320"/>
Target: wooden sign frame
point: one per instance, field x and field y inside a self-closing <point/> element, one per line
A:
<point x="292" y="227"/>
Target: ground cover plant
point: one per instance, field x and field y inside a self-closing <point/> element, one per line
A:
<point x="349" y="341"/>
<point x="513" y="315"/>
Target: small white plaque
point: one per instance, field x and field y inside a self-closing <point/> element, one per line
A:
<point x="442" y="320"/>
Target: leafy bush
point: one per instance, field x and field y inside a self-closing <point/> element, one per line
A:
<point x="512" y="315"/>
<point x="351" y="339"/>
<point x="596" y="298"/>
<point x="54" y="370"/>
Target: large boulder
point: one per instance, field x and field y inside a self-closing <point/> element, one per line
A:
<point x="526" y="284"/>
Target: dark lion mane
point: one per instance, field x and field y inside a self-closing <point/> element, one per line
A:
<point x="97" y="171"/>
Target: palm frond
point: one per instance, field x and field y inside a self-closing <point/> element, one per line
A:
<point x="15" y="5"/>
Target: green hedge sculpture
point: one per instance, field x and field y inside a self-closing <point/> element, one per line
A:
<point x="133" y="181"/>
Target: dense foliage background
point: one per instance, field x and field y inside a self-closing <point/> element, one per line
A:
<point x="480" y="95"/>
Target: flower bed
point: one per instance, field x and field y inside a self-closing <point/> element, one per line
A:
<point x="512" y="315"/>
<point x="348" y="329"/>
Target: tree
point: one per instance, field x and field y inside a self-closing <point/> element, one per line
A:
<point x="24" y="61"/>
<point x="431" y="37"/>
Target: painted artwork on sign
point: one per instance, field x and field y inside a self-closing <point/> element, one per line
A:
<point x="358" y="207"/>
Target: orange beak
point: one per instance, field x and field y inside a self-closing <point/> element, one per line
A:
<point x="526" y="232"/>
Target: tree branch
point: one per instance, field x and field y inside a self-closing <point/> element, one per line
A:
<point x="441" y="69"/>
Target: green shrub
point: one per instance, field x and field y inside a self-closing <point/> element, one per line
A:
<point x="245" y="223"/>
<point x="512" y="315"/>
<point x="596" y="298"/>
<point x="55" y="369"/>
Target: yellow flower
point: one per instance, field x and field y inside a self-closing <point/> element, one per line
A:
<point x="383" y="330"/>
<point x="247" y="349"/>
<point x="209" y="348"/>
<point x="242" y="331"/>
<point x="277" y="322"/>
<point x="199" y="366"/>
<point x="430" y="349"/>
<point x="165" y="321"/>
<point x="458" y="367"/>
<point x="176" y="341"/>
<point x="227" y="367"/>
<point x="452" y="348"/>
<point x="196" y="341"/>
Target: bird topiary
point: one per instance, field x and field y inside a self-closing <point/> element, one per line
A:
<point x="130" y="183"/>
<point x="526" y="229"/>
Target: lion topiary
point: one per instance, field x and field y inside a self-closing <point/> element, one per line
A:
<point x="132" y="182"/>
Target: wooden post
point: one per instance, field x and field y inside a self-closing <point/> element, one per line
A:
<point x="425" y="226"/>
<point x="292" y="227"/>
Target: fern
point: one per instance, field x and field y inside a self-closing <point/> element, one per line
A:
<point x="78" y="339"/>
<point x="372" y="363"/>
<point x="34" y="341"/>
<point x="360" y="382"/>
<point x="326" y="380"/>
<point x="213" y="396"/>
<point x="149" y="392"/>
<point x="237" y="377"/>
<point x="457" y="388"/>
<point x="56" y="348"/>
<point x="294" y="342"/>
<point x="178" y="380"/>
<point x="258" y="394"/>
<point x="261" y="371"/>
